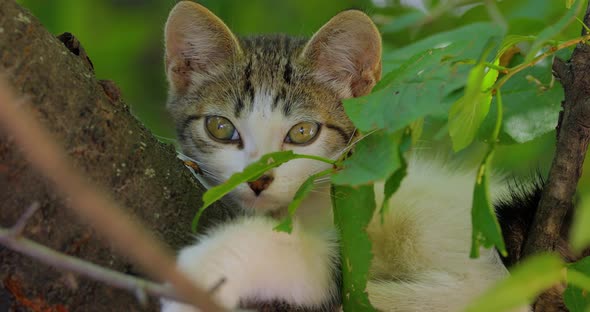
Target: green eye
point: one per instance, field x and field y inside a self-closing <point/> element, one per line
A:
<point x="302" y="133"/>
<point x="221" y="128"/>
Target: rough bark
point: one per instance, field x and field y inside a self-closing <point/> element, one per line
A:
<point x="573" y="135"/>
<point x="550" y="227"/>
<point x="105" y="141"/>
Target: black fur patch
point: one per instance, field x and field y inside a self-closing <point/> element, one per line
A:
<point x="288" y="73"/>
<point x="515" y="215"/>
<point x="345" y="136"/>
<point x="239" y="106"/>
<point x="249" y="90"/>
<point x="183" y="126"/>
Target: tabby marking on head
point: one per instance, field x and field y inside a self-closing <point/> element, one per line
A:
<point x="236" y="99"/>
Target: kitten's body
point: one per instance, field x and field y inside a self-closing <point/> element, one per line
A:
<point x="421" y="252"/>
<point x="265" y="87"/>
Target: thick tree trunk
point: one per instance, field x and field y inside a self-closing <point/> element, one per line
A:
<point x="573" y="136"/>
<point x="105" y="141"/>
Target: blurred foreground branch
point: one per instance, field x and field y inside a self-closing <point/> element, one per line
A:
<point x="64" y="105"/>
<point x="93" y="206"/>
<point x="13" y="239"/>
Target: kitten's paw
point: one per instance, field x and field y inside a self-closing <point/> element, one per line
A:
<point x="247" y="260"/>
<point x="171" y="306"/>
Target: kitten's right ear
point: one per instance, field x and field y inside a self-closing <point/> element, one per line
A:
<point x="346" y="53"/>
<point x="197" y="43"/>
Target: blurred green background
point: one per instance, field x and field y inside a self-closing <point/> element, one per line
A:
<point x="124" y="39"/>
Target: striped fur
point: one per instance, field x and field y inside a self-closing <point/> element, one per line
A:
<point x="264" y="85"/>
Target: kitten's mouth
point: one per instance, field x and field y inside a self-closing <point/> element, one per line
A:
<point x="261" y="204"/>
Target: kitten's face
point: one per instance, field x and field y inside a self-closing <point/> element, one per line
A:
<point x="237" y="100"/>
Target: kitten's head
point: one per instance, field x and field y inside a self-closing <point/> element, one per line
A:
<point x="236" y="99"/>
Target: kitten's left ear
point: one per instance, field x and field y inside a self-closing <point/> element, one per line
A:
<point x="346" y="53"/>
<point x="197" y="44"/>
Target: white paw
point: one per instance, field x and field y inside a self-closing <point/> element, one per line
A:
<point x="259" y="264"/>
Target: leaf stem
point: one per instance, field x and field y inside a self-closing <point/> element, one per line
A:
<point x="496" y="67"/>
<point x="513" y="71"/>
<point x="318" y="158"/>
<point x="498" y="126"/>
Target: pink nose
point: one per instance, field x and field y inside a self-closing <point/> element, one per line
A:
<point x="261" y="184"/>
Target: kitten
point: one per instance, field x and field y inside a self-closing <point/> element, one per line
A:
<point x="236" y="99"/>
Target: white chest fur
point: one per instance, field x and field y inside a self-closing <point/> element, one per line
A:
<point x="421" y="251"/>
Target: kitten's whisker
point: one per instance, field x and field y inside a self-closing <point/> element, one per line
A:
<point x="172" y="140"/>
<point x="347" y="148"/>
<point x="253" y="205"/>
<point x="351" y="136"/>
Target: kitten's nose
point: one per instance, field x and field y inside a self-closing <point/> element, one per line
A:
<point x="261" y="184"/>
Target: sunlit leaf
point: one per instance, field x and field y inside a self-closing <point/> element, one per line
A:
<point x="374" y="159"/>
<point x="580" y="236"/>
<point x="568" y="3"/>
<point x="467" y="114"/>
<point x="420" y="79"/>
<point x="577" y="298"/>
<point x="486" y="230"/>
<point x="527" y="281"/>
<point x="353" y="210"/>
<point x="417" y="127"/>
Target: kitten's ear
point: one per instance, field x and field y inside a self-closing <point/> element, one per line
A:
<point x="346" y="53"/>
<point x="197" y="43"/>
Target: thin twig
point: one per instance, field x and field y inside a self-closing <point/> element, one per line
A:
<point x="515" y="70"/>
<point x="94" y="206"/>
<point x="19" y="226"/>
<point x="79" y="266"/>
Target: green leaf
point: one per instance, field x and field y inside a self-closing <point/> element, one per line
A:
<point x="394" y="181"/>
<point x="580" y="236"/>
<point x="286" y="224"/>
<point x="403" y="22"/>
<point x="527" y="280"/>
<point x="531" y="106"/>
<point x="353" y="210"/>
<point x="511" y="40"/>
<point x="568" y="3"/>
<point x="468" y="41"/>
<point x="416" y="128"/>
<point x="486" y="230"/>
<point x="374" y="159"/>
<point x="576" y="297"/>
<point x="468" y="113"/>
<point x="553" y="30"/>
<point x="420" y="78"/>
<point x="250" y="173"/>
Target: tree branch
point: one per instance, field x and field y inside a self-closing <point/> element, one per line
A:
<point x="112" y="149"/>
<point x="65" y="262"/>
<point x="93" y="206"/>
<point x="573" y="135"/>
